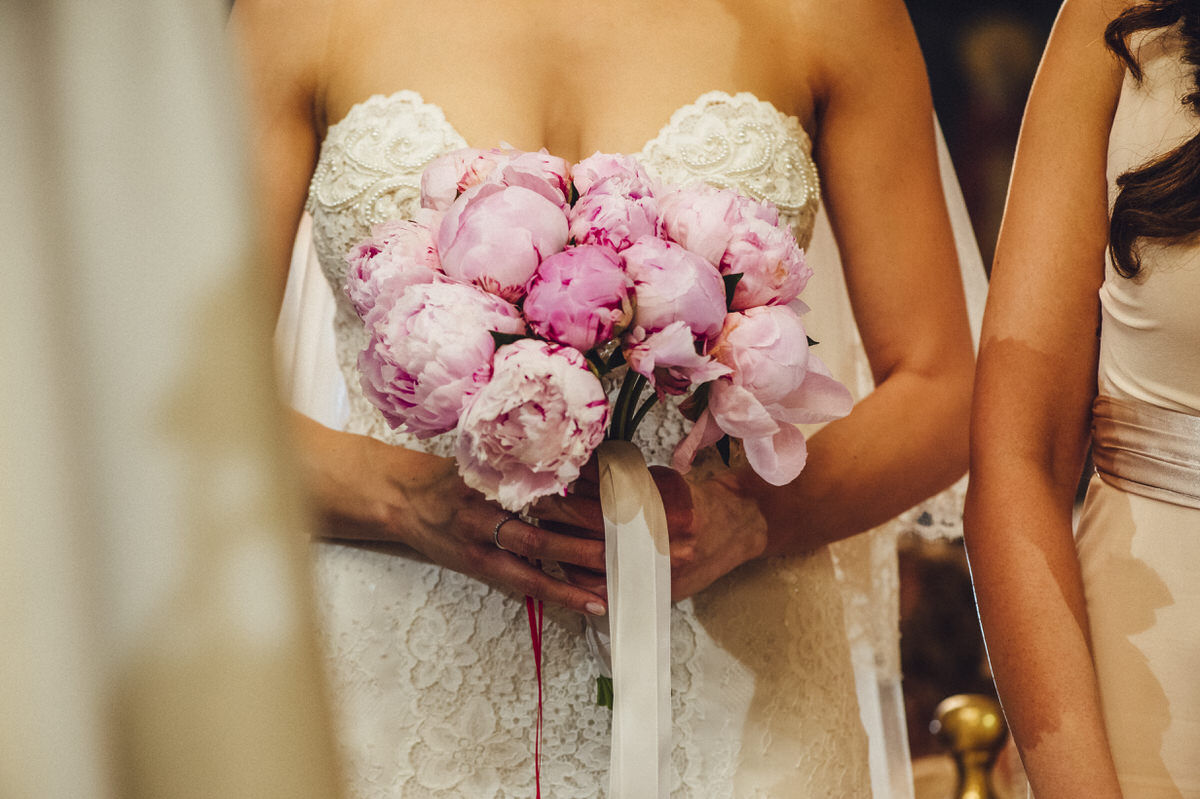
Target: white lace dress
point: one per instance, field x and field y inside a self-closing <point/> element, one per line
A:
<point x="433" y="672"/>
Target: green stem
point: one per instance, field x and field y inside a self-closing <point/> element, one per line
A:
<point x="598" y="366"/>
<point x="642" y="411"/>
<point x="620" y="412"/>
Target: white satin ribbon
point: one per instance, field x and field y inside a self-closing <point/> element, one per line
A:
<point x="639" y="616"/>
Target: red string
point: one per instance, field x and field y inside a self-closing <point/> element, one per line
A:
<point x="534" y="609"/>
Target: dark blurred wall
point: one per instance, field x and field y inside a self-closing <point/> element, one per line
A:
<point x="981" y="56"/>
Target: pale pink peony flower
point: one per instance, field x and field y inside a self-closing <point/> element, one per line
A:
<point x="668" y="359"/>
<point x="431" y="351"/>
<point x="580" y="297"/>
<point x="703" y="218"/>
<point x="495" y="236"/>
<point x="445" y="178"/>
<point x="614" y="220"/>
<point x="674" y="284"/>
<point x="548" y="175"/>
<point x="622" y="173"/>
<point x="700" y="218"/>
<point x="770" y="262"/>
<point x="527" y="432"/>
<point x="398" y="254"/>
<point x="776" y="383"/>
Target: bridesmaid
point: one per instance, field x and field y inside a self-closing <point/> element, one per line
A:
<point x="1094" y="639"/>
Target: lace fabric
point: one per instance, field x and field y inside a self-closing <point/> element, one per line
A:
<point x="433" y="671"/>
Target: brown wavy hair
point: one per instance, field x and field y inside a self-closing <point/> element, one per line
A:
<point x="1159" y="200"/>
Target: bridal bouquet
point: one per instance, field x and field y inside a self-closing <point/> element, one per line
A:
<point x="523" y="281"/>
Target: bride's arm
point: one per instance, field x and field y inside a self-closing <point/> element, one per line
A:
<point x="363" y="489"/>
<point x="877" y="154"/>
<point x="1036" y="382"/>
<point x="878" y="160"/>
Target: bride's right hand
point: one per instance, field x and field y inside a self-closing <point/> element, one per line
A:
<point x="368" y="491"/>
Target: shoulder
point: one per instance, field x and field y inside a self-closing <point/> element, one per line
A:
<point x="855" y="43"/>
<point x="283" y="43"/>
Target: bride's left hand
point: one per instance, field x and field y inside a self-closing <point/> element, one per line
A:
<point x="713" y="527"/>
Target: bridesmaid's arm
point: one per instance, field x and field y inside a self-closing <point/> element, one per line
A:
<point x="1030" y="426"/>
<point x="363" y="489"/>
<point x="878" y="159"/>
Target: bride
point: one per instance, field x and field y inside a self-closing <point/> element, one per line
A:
<point x="433" y="678"/>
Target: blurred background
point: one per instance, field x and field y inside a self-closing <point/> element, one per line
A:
<point x="981" y="56"/>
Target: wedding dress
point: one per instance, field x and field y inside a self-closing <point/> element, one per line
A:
<point x="1139" y="533"/>
<point x="774" y="668"/>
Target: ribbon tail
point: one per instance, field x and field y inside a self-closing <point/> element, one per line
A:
<point x="639" y="611"/>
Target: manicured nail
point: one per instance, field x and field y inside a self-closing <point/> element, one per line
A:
<point x="595" y="608"/>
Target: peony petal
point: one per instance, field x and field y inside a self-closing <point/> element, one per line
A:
<point x="704" y="433"/>
<point x="820" y="398"/>
<point x="738" y="412"/>
<point x="778" y="459"/>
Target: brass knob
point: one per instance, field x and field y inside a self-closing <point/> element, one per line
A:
<point x="972" y="727"/>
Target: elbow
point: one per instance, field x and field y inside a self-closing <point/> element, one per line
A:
<point x="954" y="391"/>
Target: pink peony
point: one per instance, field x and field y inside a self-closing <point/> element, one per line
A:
<point x="770" y="262"/>
<point x="444" y="178"/>
<point x="432" y="350"/>
<point x="700" y="218"/>
<point x="703" y="218"/>
<point x="398" y="254"/>
<point x="668" y="359"/>
<point x="614" y="220"/>
<point x="580" y="297"/>
<point x="674" y="284"/>
<point x="546" y="174"/>
<point x="495" y="236"/>
<point x="447" y="177"/>
<point x="776" y="383"/>
<point x="527" y="433"/>
<point x="616" y="170"/>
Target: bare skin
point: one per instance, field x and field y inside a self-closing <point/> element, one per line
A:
<point x="577" y="77"/>
<point x="1030" y="425"/>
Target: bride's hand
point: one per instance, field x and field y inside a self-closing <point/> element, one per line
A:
<point x="369" y="491"/>
<point x="713" y="527"/>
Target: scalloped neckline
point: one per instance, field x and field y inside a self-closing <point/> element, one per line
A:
<point x="708" y="98"/>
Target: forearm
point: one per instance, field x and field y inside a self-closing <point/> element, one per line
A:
<point x="361" y="488"/>
<point x="902" y="443"/>
<point x="1034" y="615"/>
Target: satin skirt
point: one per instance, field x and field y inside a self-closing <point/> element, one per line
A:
<point x="1139" y="548"/>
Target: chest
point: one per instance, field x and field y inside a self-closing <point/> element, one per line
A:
<point x="574" y="77"/>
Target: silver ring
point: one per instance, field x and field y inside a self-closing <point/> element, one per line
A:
<point x="496" y="531"/>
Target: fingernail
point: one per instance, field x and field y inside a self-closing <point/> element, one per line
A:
<point x="595" y="608"/>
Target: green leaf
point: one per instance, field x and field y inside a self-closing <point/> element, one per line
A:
<point x="812" y="342"/>
<point x="731" y="282"/>
<point x="616" y="359"/>
<point x="574" y="194"/>
<point x="604" y="691"/>
<point x="505" y="338"/>
<point x="723" y="449"/>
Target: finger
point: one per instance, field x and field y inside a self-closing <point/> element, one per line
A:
<point x="529" y="580"/>
<point x="576" y="511"/>
<point x="590" y="471"/>
<point x="587" y="579"/>
<point x="676" y="495"/>
<point x="567" y="529"/>
<point x="535" y="543"/>
<point x="585" y="488"/>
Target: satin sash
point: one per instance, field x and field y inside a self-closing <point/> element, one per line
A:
<point x="1145" y="450"/>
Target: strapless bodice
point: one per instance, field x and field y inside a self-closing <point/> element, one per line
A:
<point x="1150" y="326"/>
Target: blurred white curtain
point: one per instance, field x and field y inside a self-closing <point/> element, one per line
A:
<point x="154" y="609"/>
